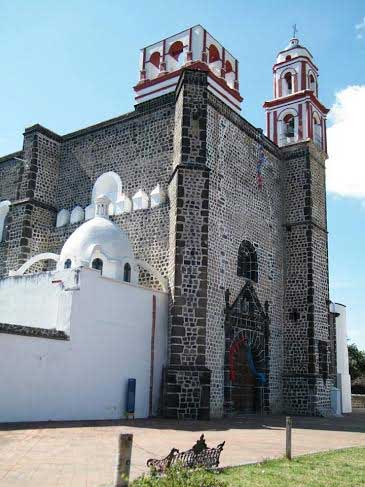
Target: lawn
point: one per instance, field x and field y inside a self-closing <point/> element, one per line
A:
<point x="329" y="469"/>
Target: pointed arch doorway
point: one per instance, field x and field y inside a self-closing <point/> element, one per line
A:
<point x="246" y="373"/>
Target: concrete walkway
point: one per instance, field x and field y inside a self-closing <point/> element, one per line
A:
<point x="79" y="454"/>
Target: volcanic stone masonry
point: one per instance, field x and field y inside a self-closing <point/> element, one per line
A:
<point x="204" y="156"/>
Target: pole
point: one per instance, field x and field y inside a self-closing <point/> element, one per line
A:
<point x="288" y="437"/>
<point x="124" y="460"/>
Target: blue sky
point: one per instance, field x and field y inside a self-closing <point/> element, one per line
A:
<point x="69" y="64"/>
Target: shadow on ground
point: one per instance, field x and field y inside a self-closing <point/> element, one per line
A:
<point x="354" y="422"/>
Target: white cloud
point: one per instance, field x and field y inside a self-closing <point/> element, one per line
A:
<point x="360" y="28"/>
<point x="346" y="139"/>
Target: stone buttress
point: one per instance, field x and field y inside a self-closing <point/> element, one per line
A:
<point x="307" y="381"/>
<point x="187" y="381"/>
<point x="32" y="214"/>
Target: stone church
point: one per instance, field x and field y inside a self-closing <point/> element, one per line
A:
<point x="229" y="223"/>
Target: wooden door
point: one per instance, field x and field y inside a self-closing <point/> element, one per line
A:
<point x="243" y="387"/>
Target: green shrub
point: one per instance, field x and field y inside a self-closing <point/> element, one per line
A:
<point x="178" y="476"/>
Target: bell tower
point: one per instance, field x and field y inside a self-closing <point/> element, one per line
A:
<point x="296" y="122"/>
<point x="295" y="113"/>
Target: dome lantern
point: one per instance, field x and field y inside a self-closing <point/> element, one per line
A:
<point x="102" y="204"/>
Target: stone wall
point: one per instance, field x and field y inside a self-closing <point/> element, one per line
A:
<point x="239" y="210"/>
<point x="187" y="386"/>
<point x="205" y="157"/>
<point x="60" y="173"/>
<point x="358" y="401"/>
<point x="9" y="176"/>
<point x="137" y="146"/>
<point x="307" y="377"/>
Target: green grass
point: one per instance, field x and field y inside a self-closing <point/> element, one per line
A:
<point x="345" y="468"/>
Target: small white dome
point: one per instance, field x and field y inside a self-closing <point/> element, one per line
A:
<point x="98" y="231"/>
<point x="101" y="244"/>
<point x="293" y="49"/>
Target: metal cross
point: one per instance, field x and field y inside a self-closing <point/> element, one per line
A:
<point x="295" y="30"/>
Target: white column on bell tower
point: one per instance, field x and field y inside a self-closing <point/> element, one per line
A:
<point x="295" y="113"/>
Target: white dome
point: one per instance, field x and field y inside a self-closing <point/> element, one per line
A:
<point x="293" y="49"/>
<point x="100" y="244"/>
<point x="101" y="232"/>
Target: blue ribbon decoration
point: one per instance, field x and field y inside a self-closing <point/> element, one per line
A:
<point x="260" y="376"/>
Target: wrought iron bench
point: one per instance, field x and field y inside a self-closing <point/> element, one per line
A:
<point x="198" y="456"/>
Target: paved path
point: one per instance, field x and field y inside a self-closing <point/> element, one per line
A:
<point x="79" y="454"/>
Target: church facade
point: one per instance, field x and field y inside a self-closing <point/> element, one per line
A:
<point x="233" y="220"/>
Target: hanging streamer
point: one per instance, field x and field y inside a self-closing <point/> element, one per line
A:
<point x="261" y="160"/>
<point x="232" y="351"/>
<point x="260" y="376"/>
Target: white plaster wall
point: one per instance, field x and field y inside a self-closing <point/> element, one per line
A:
<point x="31" y="300"/>
<point x="343" y="376"/>
<point x="86" y="377"/>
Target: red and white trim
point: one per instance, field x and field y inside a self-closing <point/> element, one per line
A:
<point x="295" y="113"/>
<point x="199" y="50"/>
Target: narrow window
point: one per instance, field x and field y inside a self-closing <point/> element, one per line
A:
<point x="4" y="210"/>
<point x="67" y="264"/>
<point x="312" y="83"/>
<point x="317" y="131"/>
<point x="155" y="59"/>
<point x="247" y="261"/>
<point x="176" y="49"/>
<point x="127" y="273"/>
<point x="98" y="265"/>
<point x="289" y="126"/>
<point x="213" y="54"/>
<point x="3" y="228"/>
<point x="229" y="68"/>
<point x="288" y="83"/>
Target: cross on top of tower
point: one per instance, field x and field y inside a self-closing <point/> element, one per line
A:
<point x="295" y="31"/>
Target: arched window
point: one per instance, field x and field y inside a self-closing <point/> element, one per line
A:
<point x="97" y="264"/>
<point x="247" y="261"/>
<point x="67" y="264"/>
<point x="228" y="67"/>
<point x="317" y="131"/>
<point x="3" y="228"/>
<point x="176" y="49"/>
<point x="127" y="273"/>
<point x="312" y="83"/>
<point x="213" y="54"/>
<point x="4" y="209"/>
<point x="288" y="58"/>
<point x="155" y="59"/>
<point x="289" y="125"/>
<point x="288" y="83"/>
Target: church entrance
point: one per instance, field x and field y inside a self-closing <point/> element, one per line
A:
<point x="246" y="371"/>
<point x="243" y="383"/>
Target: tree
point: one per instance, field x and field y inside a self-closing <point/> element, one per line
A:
<point x="356" y="362"/>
